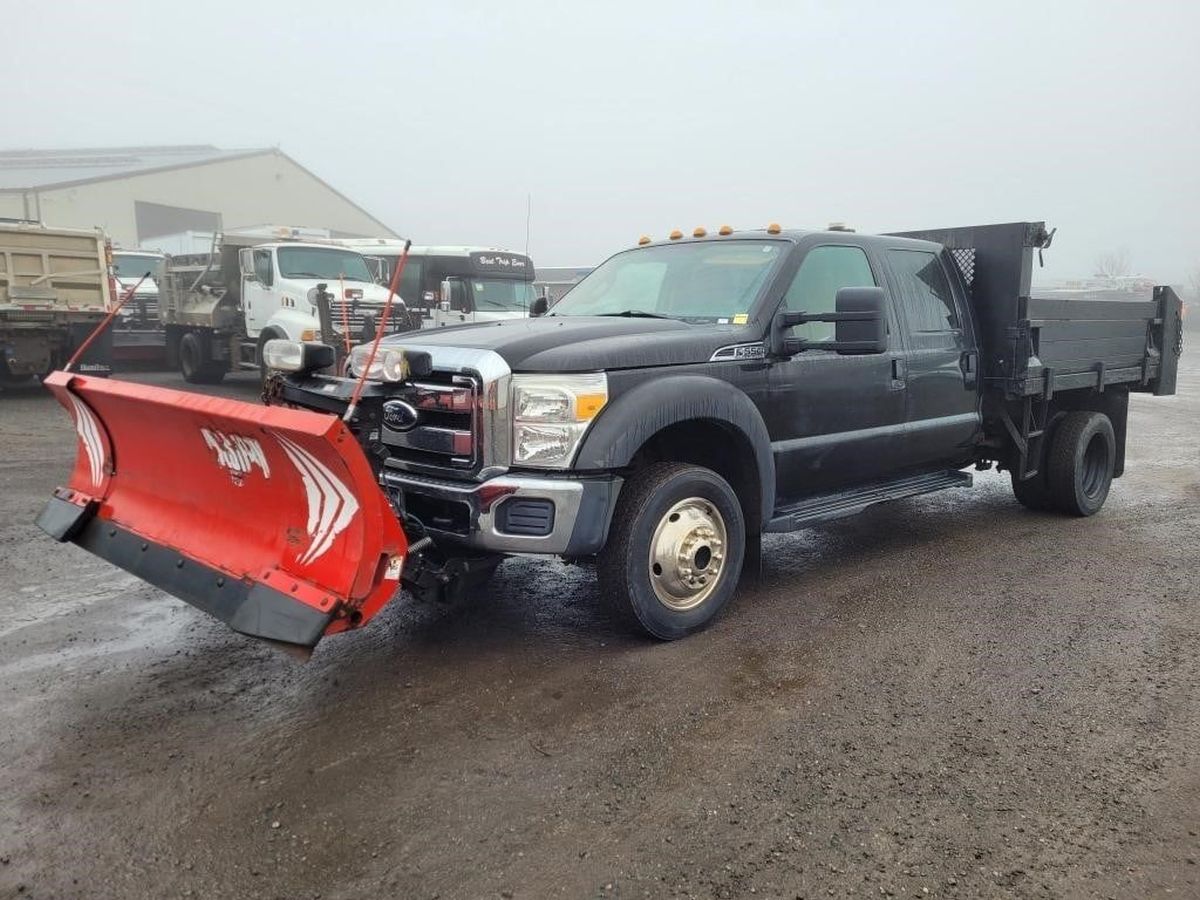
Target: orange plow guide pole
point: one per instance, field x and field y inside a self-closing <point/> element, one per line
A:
<point x="268" y="518"/>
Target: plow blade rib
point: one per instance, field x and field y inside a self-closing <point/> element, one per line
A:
<point x="269" y="519"/>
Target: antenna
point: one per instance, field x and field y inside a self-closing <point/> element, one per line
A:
<point x="528" y="219"/>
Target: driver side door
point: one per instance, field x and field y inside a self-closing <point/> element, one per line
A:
<point x="834" y="419"/>
<point x="258" y="302"/>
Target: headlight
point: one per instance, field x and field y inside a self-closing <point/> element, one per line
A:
<point x="390" y="364"/>
<point x="551" y="414"/>
<point x="296" y="356"/>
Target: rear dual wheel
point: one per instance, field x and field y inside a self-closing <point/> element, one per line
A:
<point x="674" y="551"/>
<point x="1077" y="471"/>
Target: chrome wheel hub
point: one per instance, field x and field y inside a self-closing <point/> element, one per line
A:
<point x="687" y="553"/>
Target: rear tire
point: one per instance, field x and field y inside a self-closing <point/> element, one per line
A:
<point x="1079" y="466"/>
<point x="194" y="364"/>
<point x="674" y="551"/>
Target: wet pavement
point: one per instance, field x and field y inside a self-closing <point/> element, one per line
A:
<point x="947" y="696"/>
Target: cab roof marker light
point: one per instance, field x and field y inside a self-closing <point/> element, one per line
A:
<point x="675" y="235"/>
<point x="643" y="240"/>
<point x="774" y="228"/>
<point x="699" y="231"/>
<point x="725" y="230"/>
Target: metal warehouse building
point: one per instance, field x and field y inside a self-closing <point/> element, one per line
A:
<point x="141" y="196"/>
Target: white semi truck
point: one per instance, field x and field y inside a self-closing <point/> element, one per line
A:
<point x="220" y="308"/>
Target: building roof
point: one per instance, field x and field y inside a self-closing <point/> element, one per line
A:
<point x="23" y="170"/>
<point x="29" y="169"/>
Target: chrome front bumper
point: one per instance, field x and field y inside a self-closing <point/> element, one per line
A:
<point x="582" y="511"/>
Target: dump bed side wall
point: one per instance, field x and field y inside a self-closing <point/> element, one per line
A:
<point x="1035" y="346"/>
<point x="64" y="269"/>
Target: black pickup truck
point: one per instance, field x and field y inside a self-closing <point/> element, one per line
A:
<point x="690" y="395"/>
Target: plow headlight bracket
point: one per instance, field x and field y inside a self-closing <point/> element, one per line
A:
<point x="296" y="356"/>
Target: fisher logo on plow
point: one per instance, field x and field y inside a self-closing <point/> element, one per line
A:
<point x="331" y="505"/>
<point x="236" y="454"/>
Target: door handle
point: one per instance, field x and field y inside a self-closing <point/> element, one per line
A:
<point x="969" y="363"/>
<point x="898" y="372"/>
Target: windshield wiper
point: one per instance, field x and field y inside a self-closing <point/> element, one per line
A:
<point x="637" y="314"/>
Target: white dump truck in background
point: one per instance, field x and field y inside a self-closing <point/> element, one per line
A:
<point x="54" y="290"/>
<point x="138" y="330"/>
<point x="219" y="308"/>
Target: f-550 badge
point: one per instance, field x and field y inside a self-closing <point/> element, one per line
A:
<point x="739" y="351"/>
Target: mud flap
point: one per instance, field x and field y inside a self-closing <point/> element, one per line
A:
<point x="269" y="519"/>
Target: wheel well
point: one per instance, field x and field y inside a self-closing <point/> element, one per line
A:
<point x="713" y="445"/>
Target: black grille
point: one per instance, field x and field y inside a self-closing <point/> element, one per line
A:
<point x="445" y="437"/>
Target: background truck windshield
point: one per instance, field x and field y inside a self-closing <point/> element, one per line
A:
<point x="322" y="262"/>
<point x="704" y="281"/>
<point x="135" y="265"/>
<point x="491" y="294"/>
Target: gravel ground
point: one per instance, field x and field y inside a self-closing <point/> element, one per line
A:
<point x="948" y="696"/>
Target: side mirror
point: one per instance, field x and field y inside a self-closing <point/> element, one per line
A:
<point x="454" y="296"/>
<point x="539" y="306"/>
<point x="860" y="324"/>
<point x="246" y="264"/>
<point x="862" y="327"/>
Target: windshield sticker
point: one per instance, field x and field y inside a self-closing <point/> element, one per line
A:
<point x="741" y="319"/>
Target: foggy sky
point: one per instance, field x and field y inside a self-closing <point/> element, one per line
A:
<point x="622" y="119"/>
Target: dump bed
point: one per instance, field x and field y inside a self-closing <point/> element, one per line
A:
<point x="1033" y="346"/>
<point x="52" y="272"/>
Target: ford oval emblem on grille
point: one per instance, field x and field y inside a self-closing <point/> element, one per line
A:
<point x="400" y="416"/>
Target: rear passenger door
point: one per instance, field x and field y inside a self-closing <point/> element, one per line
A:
<point x="942" y="406"/>
<point x="834" y="420"/>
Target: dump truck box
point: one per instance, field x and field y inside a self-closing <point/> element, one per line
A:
<point x="54" y="289"/>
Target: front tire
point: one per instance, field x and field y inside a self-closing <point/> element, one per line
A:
<point x="674" y="551"/>
<point x="1079" y="466"/>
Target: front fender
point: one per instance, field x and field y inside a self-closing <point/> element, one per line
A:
<point x="640" y="413"/>
<point x="293" y="323"/>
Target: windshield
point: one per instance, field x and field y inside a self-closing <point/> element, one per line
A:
<point x="702" y="282"/>
<point x="134" y="265"/>
<point x="323" y="262"/>
<point x="497" y="294"/>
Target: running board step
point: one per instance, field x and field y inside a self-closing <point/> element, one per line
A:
<point x="814" y="510"/>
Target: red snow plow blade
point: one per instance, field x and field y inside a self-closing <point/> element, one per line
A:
<point x="268" y="518"/>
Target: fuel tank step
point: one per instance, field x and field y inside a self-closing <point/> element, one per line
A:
<point x="826" y="507"/>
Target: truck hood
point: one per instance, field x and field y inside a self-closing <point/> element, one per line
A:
<point x="372" y="294"/>
<point x="583" y="343"/>
<point x="149" y="286"/>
